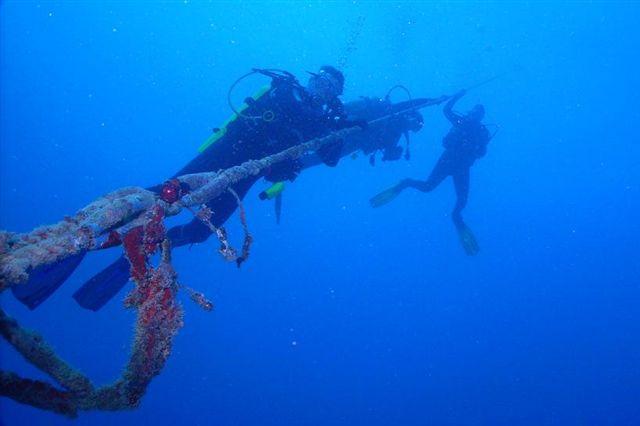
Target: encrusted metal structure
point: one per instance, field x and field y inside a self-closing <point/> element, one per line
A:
<point x="133" y="218"/>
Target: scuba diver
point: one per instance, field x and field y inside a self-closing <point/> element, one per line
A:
<point x="285" y="115"/>
<point x="463" y="145"/>
<point x="282" y="115"/>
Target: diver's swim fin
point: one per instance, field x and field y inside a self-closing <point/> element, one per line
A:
<point x="96" y="292"/>
<point x="468" y="240"/>
<point x="385" y="196"/>
<point x="45" y="280"/>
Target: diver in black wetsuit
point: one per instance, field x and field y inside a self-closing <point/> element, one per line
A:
<point x="285" y="115"/>
<point x="463" y="145"/>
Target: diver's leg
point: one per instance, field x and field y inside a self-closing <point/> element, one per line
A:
<point x="461" y="185"/>
<point x="440" y="171"/>
<point x="467" y="239"/>
<point x="190" y="233"/>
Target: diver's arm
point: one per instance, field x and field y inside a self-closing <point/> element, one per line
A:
<point x="343" y="123"/>
<point x="454" y="118"/>
<point x="330" y="154"/>
<point x="278" y="76"/>
<point x="337" y="118"/>
<point x="481" y="151"/>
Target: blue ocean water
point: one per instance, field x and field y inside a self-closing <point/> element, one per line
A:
<point x="347" y="315"/>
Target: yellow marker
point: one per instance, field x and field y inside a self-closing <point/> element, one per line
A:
<point x="272" y="192"/>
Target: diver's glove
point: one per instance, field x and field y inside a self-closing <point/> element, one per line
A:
<point x="363" y="124"/>
<point x="460" y="93"/>
<point x="330" y="153"/>
<point x="275" y="74"/>
<point x="342" y="123"/>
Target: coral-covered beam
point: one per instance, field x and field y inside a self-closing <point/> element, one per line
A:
<point x="33" y="347"/>
<point x="159" y="317"/>
<point x="92" y="227"/>
<point x="37" y="394"/>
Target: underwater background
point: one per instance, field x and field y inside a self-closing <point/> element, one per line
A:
<point x="344" y="314"/>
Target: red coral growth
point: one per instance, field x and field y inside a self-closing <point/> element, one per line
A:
<point x="159" y="319"/>
<point x="159" y="314"/>
<point x="142" y="241"/>
<point x="154" y="230"/>
<point x="114" y="239"/>
<point x="134" y="250"/>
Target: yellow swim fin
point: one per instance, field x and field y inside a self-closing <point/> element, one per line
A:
<point x="468" y="240"/>
<point x="385" y="196"/>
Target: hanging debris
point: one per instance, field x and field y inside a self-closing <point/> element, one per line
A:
<point x="248" y="238"/>
<point x="199" y="299"/>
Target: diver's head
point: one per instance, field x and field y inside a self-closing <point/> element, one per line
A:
<point x="477" y="113"/>
<point x="326" y="84"/>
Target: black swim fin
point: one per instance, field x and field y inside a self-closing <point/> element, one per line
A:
<point x="45" y="280"/>
<point x="96" y="292"/>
